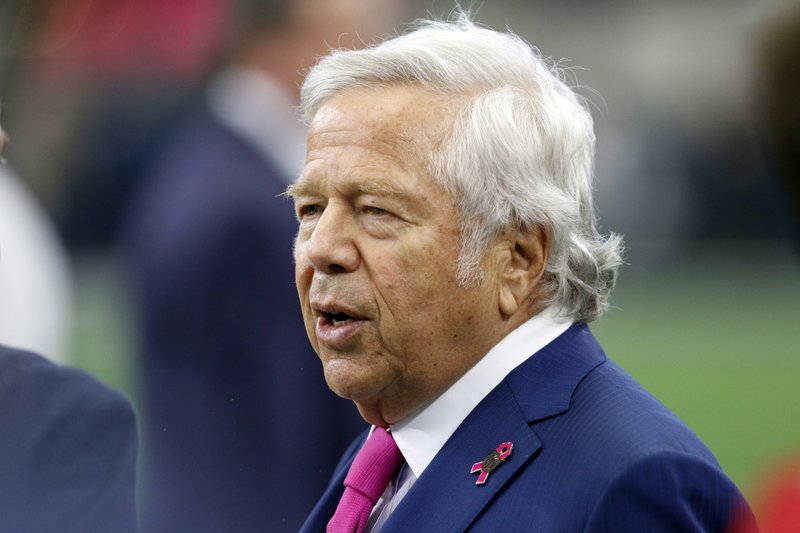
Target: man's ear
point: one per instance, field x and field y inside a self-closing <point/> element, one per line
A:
<point x="525" y="256"/>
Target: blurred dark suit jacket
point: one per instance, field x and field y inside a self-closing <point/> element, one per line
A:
<point x="68" y="449"/>
<point x="242" y="432"/>
<point x="593" y="452"/>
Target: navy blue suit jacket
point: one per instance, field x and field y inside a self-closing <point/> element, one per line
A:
<point x="593" y="451"/>
<point x="241" y="431"/>
<point x="68" y="448"/>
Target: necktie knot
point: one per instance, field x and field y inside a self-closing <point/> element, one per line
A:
<point x="373" y="468"/>
<point x="375" y="465"/>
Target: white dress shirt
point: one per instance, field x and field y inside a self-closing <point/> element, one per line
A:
<point x="421" y="435"/>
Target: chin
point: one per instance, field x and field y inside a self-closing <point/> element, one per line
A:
<point x="372" y="415"/>
<point x="354" y="382"/>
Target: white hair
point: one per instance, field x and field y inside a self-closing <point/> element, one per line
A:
<point x="518" y="155"/>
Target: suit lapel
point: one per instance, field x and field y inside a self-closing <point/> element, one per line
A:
<point x="445" y="497"/>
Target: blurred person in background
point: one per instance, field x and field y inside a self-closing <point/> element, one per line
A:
<point x="92" y="85"/>
<point x="68" y="443"/>
<point x="777" y="493"/>
<point x="240" y="432"/>
<point x="35" y="285"/>
<point x="780" y="77"/>
<point x="68" y="448"/>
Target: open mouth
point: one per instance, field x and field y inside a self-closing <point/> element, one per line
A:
<point x="334" y="315"/>
<point x="337" y="326"/>
<point x="338" y="319"/>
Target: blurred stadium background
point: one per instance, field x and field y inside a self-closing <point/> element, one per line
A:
<point x="706" y="313"/>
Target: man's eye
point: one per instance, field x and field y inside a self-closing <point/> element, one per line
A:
<point x="375" y="211"/>
<point x="309" y="210"/>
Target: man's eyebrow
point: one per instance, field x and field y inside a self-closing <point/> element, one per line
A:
<point x="299" y="188"/>
<point x="303" y="187"/>
<point x="378" y="189"/>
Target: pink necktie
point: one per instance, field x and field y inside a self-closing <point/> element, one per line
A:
<point x="373" y="468"/>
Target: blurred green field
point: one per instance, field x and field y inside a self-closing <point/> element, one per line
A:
<point x="718" y="341"/>
<point x="712" y="332"/>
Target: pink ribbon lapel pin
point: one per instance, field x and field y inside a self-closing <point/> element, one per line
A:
<point x="492" y="461"/>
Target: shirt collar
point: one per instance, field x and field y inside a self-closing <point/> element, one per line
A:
<point x="255" y="107"/>
<point x="421" y="435"/>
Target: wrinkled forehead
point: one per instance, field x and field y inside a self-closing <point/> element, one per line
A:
<point x="401" y="117"/>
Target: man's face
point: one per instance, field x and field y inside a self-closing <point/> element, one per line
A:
<point x="376" y="256"/>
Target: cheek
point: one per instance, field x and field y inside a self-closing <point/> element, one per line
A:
<point x="416" y="286"/>
<point x="298" y="252"/>
<point x="303" y="275"/>
<point x="436" y="268"/>
<point x="302" y="271"/>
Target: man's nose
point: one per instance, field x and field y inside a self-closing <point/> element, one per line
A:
<point x="331" y="248"/>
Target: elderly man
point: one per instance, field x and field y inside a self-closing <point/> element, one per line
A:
<point x="447" y="263"/>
